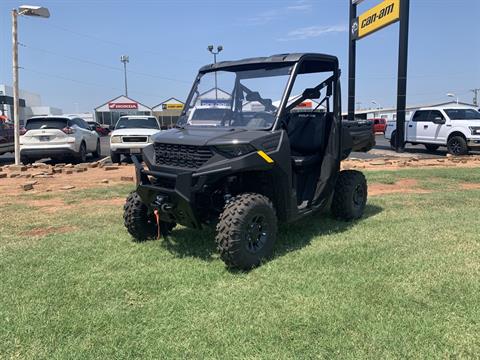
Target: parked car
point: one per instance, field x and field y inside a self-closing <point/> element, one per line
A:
<point x="457" y="128"/>
<point x="58" y="137"/>
<point x="131" y="134"/>
<point x="6" y="137"/>
<point x="102" y="131"/>
<point x="379" y="125"/>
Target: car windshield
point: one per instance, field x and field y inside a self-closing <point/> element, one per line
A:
<point x="237" y="98"/>
<point x="463" y="114"/>
<point x="137" y="123"/>
<point x="46" y="123"/>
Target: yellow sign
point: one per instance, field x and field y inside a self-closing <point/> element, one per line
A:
<point x="172" y="106"/>
<point x="384" y="14"/>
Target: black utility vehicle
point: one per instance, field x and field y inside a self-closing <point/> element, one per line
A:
<point x="270" y="152"/>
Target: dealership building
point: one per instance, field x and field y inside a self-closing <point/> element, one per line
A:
<point x="109" y="112"/>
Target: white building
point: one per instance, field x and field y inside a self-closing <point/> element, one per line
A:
<point x="390" y="114"/>
<point x="30" y="104"/>
<point x="109" y="112"/>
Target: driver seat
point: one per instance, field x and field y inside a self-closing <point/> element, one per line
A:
<point x="307" y="133"/>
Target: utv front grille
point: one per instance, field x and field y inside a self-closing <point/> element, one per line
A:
<point x="184" y="156"/>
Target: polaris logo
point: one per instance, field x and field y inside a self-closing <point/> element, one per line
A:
<point x="174" y="156"/>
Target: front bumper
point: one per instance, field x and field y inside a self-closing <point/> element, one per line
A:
<point x="128" y="148"/>
<point x="473" y="143"/>
<point x="44" y="152"/>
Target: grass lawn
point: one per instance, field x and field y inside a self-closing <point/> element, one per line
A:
<point x="404" y="282"/>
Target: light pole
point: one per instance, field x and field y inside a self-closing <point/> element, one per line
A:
<point x="219" y="49"/>
<point x="453" y="96"/>
<point x="378" y="106"/>
<point x="25" y="10"/>
<point x="125" y="59"/>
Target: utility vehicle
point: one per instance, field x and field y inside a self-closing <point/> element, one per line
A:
<point x="265" y="161"/>
<point x="456" y="127"/>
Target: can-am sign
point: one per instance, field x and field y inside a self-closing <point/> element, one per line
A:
<point x="123" y="106"/>
<point x="384" y="14"/>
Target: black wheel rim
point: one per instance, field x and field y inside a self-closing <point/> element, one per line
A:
<point x="455" y="147"/>
<point x="257" y="234"/>
<point x="358" y="196"/>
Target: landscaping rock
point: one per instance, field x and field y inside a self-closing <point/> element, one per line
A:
<point x="93" y="165"/>
<point x="110" y="167"/>
<point x="68" y="172"/>
<point x="27" y="186"/>
<point x="68" y="166"/>
<point x="57" y="170"/>
<point x="67" y="187"/>
<point x="104" y="181"/>
<point x="3" y="175"/>
<point x="17" y="168"/>
<point x="26" y="176"/>
<point x="14" y="175"/>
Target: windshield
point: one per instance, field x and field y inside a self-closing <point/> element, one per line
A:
<point x="237" y="98"/>
<point x="463" y="114"/>
<point x="137" y="123"/>
<point x="46" y="123"/>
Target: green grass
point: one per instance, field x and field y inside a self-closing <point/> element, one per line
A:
<point x="403" y="282"/>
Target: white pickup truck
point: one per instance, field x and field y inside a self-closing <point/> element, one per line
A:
<point x="457" y="128"/>
<point x="131" y="135"/>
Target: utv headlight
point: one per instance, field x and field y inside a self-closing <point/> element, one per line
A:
<point x="116" y="139"/>
<point x="234" y="150"/>
<point x="475" y="130"/>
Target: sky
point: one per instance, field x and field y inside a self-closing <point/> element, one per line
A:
<point x="72" y="59"/>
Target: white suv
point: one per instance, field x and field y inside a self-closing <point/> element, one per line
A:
<point x="131" y="135"/>
<point x="457" y="128"/>
<point x="58" y="137"/>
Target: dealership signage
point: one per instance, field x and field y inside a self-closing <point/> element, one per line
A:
<point x="216" y="102"/>
<point x="172" y="106"/>
<point x="384" y="14"/>
<point x="122" y="106"/>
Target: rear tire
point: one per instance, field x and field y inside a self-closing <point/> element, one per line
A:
<point x="81" y="156"/>
<point x="97" y="152"/>
<point x="393" y="141"/>
<point x="431" y="147"/>
<point x="350" y="197"/>
<point x="246" y="231"/>
<point x="136" y="219"/>
<point x="457" y="145"/>
<point x="114" y="157"/>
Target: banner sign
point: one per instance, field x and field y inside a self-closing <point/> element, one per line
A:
<point x="216" y="102"/>
<point x="123" y="106"/>
<point x="378" y="17"/>
<point x="172" y="106"/>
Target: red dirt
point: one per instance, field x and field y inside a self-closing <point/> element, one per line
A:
<point x="470" y="186"/>
<point x="403" y="186"/>
<point x="41" y="232"/>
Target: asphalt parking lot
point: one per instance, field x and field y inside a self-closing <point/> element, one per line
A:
<point x="382" y="149"/>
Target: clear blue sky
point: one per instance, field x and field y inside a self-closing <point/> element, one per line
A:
<point x="73" y="57"/>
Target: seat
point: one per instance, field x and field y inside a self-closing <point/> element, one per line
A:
<point x="307" y="135"/>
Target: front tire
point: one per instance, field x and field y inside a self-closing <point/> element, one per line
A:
<point x="81" y="156"/>
<point x="350" y="197"/>
<point x="97" y="152"/>
<point x="136" y="219"/>
<point x="115" y="157"/>
<point x="246" y="231"/>
<point x="457" y="145"/>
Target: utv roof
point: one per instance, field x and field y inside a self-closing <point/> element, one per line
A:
<point x="313" y="62"/>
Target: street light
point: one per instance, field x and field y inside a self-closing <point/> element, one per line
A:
<point x="125" y="59"/>
<point x="25" y="10"/>
<point x="453" y="96"/>
<point x="378" y="106"/>
<point x="214" y="53"/>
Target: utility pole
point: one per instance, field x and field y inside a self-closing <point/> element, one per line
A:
<point x="475" y="96"/>
<point x="16" y="115"/>
<point x="125" y="59"/>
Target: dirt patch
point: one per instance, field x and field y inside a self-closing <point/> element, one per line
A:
<point x="404" y="186"/>
<point x="41" y="232"/>
<point x="470" y="186"/>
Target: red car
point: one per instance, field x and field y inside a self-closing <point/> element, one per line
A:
<point x="379" y="125"/>
<point x="102" y="131"/>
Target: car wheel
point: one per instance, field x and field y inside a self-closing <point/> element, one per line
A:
<point x="115" y="157"/>
<point x="97" y="152"/>
<point x="393" y="141"/>
<point x="431" y="147"/>
<point x="457" y="145"/>
<point x="25" y="160"/>
<point x="350" y="197"/>
<point x="81" y="156"/>
<point x="246" y="231"/>
<point x="136" y="219"/>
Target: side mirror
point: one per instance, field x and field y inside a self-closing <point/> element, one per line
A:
<point x="311" y="93"/>
<point x="438" y="120"/>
